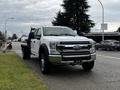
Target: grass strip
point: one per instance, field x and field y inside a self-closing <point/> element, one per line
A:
<point x="15" y="75"/>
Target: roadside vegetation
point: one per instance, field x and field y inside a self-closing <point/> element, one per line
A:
<point x="75" y="16"/>
<point x="15" y="75"/>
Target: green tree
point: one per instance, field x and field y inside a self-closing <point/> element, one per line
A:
<point x="14" y="36"/>
<point x="74" y="16"/>
<point x="118" y="30"/>
<point x="2" y="36"/>
<point x="9" y="38"/>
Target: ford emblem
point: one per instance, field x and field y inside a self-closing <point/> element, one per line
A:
<point x="77" y="47"/>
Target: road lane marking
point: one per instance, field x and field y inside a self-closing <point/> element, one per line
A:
<point x="109" y="57"/>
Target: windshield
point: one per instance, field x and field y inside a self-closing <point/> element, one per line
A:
<point x="56" y="31"/>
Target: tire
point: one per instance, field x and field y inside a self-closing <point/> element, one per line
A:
<point x="105" y="49"/>
<point x="97" y="48"/>
<point x="44" y="63"/>
<point x="26" y="56"/>
<point x="88" y="66"/>
<point x="108" y="49"/>
<point x="26" y="53"/>
<point x="118" y="49"/>
<point x="111" y="49"/>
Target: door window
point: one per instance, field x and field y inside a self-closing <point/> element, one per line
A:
<point x="38" y="34"/>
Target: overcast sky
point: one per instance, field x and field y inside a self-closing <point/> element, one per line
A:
<point x="41" y="12"/>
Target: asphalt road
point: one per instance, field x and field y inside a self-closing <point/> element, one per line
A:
<point x="104" y="76"/>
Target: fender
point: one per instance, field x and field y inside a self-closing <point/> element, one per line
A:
<point x="43" y="49"/>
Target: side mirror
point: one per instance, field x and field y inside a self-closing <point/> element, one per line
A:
<point x="38" y="37"/>
<point x="31" y="35"/>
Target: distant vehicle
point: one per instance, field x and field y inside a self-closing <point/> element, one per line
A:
<point x="15" y="40"/>
<point x="24" y="39"/>
<point x="109" y="45"/>
<point x="9" y="41"/>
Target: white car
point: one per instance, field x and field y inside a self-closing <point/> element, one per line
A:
<point x="59" y="45"/>
<point x="24" y="39"/>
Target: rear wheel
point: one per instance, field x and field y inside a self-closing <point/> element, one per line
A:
<point x="26" y="56"/>
<point x="26" y="52"/>
<point x="87" y="66"/>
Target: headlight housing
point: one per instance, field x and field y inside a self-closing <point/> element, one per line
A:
<point x="53" y="45"/>
<point x="53" y="50"/>
<point x="93" y="50"/>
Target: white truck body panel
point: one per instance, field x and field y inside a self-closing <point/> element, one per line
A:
<point x="36" y="43"/>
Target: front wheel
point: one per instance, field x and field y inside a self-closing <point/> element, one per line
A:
<point x="44" y="63"/>
<point x="87" y="66"/>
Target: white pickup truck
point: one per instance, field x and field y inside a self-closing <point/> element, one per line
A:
<point x="58" y="45"/>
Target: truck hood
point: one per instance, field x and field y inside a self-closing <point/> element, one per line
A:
<point x="66" y="38"/>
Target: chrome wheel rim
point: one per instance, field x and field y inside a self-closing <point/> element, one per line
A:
<point x="42" y="63"/>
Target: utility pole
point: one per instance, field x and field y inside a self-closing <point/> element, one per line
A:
<point x="6" y="26"/>
<point x="102" y="20"/>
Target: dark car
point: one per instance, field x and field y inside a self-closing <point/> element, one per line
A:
<point x="108" y="45"/>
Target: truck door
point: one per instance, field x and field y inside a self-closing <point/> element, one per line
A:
<point x="33" y="41"/>
<point x="37" y="42"/>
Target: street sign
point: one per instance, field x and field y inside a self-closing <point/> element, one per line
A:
<point x="104" y="26"/>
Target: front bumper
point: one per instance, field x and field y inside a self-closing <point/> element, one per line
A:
<point x="56" y="59"/>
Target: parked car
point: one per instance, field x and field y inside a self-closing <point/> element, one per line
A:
<point x="24" y="39"/>
<point x="15" y="40"/>
<point x="108" y="45"/>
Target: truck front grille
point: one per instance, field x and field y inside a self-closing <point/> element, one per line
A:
<point x="75" y="53"/>
<point x="76" y="50"/>
<point x="75" y="46"/>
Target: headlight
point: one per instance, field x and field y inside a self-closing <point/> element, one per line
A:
<point x="54" y="52"/>
<point x="112" y="44"/>
<point x="53" y="49"/>
<point x="52" y="45"/>
<point x="93" y="45"/>
<point x="93" y="50"/>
